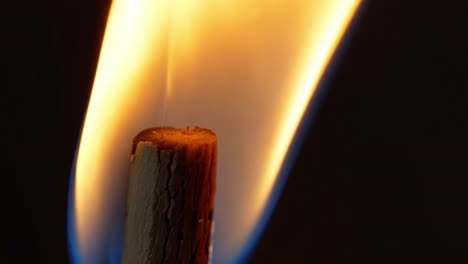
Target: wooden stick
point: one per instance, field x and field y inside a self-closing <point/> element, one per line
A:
<point x="171" y="196"/>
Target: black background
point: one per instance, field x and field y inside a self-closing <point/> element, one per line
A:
<point x="382" y="174"/>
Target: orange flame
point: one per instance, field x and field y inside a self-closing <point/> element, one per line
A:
<point x="246" y="69"/>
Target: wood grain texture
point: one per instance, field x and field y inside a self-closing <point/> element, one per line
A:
<point x="171" y="196"/>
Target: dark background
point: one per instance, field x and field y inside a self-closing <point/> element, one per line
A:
<point x="381" y="177"/>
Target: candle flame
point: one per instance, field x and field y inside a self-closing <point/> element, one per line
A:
<point x="245" y="69"/>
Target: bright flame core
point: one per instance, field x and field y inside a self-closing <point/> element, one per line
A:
<point x="246" y="69"/>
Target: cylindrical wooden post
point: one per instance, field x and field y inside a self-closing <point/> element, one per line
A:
<point x="171" y="196"/>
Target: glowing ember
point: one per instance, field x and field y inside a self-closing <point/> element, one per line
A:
<point x="243" y="68"/>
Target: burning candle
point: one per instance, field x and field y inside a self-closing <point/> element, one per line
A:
<point x="245" y="69"/>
